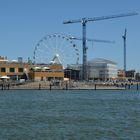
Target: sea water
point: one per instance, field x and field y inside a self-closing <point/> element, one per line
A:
<point x="69" y="115"/>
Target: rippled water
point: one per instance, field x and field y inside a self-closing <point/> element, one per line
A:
<point x="69" y="115"/>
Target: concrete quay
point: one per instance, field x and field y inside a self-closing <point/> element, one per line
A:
<point x="69" y="85"/>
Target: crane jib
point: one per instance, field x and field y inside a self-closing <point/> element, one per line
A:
<point x="100" y="18"/>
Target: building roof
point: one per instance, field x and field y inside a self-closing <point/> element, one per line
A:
<point x="101" y="60"/>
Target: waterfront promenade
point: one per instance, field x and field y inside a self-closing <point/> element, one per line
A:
<point x="42" y="85"/>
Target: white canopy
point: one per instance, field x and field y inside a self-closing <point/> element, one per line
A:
<point x="45" y="68"/>
<point x="36" y="68"/>
<point x="4" y="77"/>
<point x="66" y="79"/>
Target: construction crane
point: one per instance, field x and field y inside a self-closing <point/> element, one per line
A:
<point x="84" y="21"/>
<point x="124" y="41"/>
<point x="92" y="40"/>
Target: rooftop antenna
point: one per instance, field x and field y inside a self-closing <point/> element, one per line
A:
<point x="83" y="21"/>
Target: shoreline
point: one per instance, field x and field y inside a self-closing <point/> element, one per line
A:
<point x="47" y="85"/>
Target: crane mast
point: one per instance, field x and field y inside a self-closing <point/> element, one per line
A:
<point x="124" y="41"/>
<point x="84" y="70"/>
<point x="84" y="21"/>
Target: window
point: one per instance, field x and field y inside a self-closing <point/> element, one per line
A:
<point x="20" y="69"/>
<point x="12" y="69"/>
<point x="3" y="69"/>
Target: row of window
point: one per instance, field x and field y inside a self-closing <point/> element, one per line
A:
<point x="12" y="69"/>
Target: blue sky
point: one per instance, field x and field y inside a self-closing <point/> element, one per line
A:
<point x="24" y="22"/>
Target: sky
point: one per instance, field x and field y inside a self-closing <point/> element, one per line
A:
<point x="24" y="22"/>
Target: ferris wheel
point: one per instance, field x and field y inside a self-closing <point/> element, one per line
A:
<point x="56" y="48"/>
